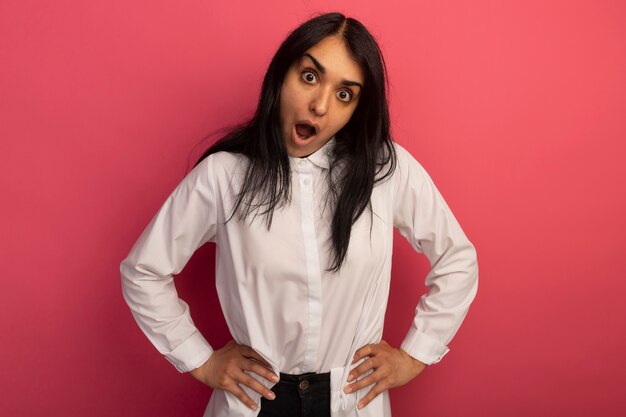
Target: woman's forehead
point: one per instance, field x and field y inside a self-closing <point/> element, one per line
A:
<point x="331" y="56"/>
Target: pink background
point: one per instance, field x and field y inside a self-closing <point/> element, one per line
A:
<point x="515" y="108"/>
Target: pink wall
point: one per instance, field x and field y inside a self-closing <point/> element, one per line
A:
<point x="515" y="108"/>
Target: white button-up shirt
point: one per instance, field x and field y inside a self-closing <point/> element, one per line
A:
<point x="273" y="285"/>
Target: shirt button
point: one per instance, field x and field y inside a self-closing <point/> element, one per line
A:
<point x="306" y="182"/>
<point x="303" y="385"/>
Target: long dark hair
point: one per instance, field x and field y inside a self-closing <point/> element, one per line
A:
<point x="363" y="153"/>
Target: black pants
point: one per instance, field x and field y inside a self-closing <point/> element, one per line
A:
<point x="305" y="395"/>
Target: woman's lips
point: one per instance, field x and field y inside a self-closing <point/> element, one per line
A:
<point x="300" y="140"/>
<point x="304" y="131"/>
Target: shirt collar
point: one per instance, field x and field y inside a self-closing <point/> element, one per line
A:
<point x="321" y="157"/>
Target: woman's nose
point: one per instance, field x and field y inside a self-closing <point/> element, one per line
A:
<point x="319" y="103"/>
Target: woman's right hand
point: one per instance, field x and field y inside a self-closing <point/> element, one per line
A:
<point x="225" y="370"/>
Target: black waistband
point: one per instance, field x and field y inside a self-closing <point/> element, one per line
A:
<point x="309" y="376"/>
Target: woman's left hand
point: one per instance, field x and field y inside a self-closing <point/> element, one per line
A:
<point x="392" y="368"/>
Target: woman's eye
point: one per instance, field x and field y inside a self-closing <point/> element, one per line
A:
<point x="309" y="77"/>
<point x="344" y="95"/>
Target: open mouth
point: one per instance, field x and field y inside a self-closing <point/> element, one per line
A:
<point x="305" y="131"/>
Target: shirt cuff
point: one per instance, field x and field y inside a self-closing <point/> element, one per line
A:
<point x="190" y="354"/>
<point x="423" y="347"/>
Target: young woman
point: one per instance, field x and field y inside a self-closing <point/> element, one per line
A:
<point x="301" y="202"/>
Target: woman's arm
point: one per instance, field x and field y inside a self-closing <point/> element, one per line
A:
<point x="185" y="222"/>
<point x="422" y="216"/>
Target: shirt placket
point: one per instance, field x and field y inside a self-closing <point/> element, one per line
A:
<point x="314" y="285"/>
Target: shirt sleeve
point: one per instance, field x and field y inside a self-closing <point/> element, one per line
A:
<point x="185" y="222"/>
<point x="422" y="216"/>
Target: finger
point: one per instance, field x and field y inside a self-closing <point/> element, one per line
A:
<point x="256" y="386"/>
<point x="238" y="392"/>
<point x="260" y="370"/>
<point x="361" y="353"/>
<point x="372" y="378"/>
<point x="365" y="366"/>
<point x="373" y="393"/>
<point x="250" y="353"/>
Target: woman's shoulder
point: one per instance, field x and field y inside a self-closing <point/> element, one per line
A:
<point x="404" y="156"/>
<point x="408" y="171"/>
<point x="405" y="162"/>
<point x="226" y="158"/>
<point x="223" y="162"/>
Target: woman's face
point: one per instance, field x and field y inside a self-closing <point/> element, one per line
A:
<point x="319" y="94"/>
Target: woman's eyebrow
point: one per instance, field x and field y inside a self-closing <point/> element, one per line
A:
<point x="319" y="66"/>
<point x="322" y="69"/>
